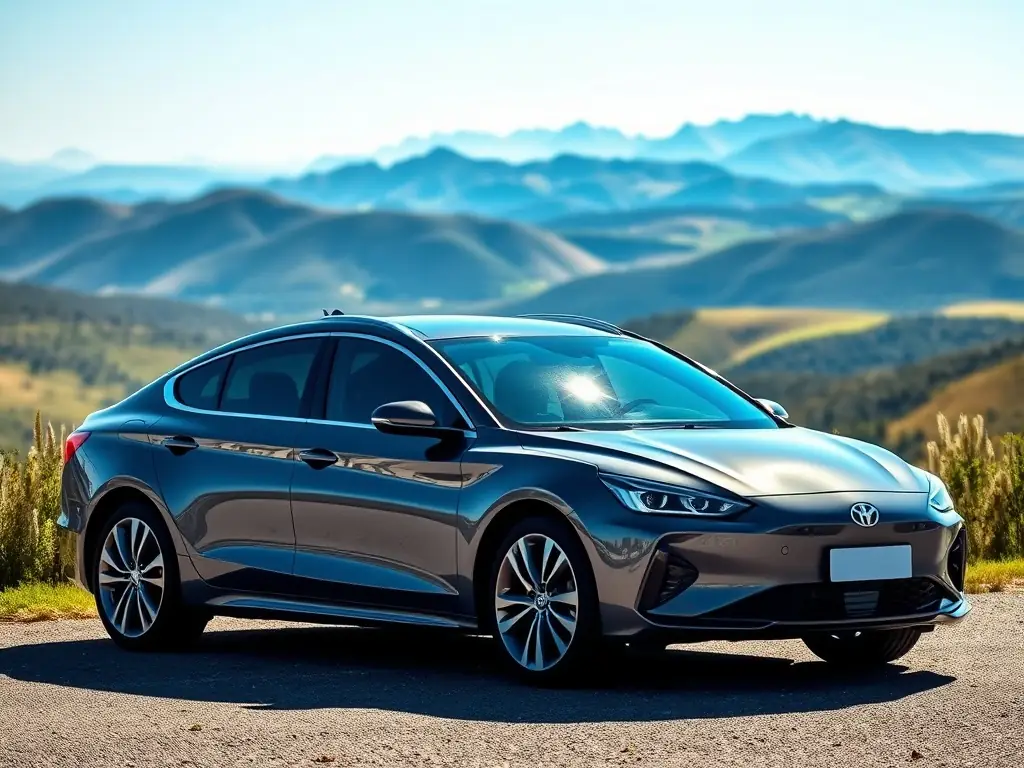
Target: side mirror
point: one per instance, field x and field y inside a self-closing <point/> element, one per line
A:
<point x="774" y="407"/>
<point x="409" y="417"/>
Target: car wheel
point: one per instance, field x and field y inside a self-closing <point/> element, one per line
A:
<point x="863" y="648"/>
<point x="137" y="586"/>
<point x="544" y="608"/>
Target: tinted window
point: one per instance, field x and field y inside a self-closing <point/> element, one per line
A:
<point x="200" y="387"/>
<point x="597" y="381"/>
<point x="367" y="374"/>
<point x="270" y="380"/>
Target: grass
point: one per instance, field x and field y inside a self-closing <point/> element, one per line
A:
<point x="995" y="576"/>
<point x="42" y="602"/>
<point x="1011" y="310"/>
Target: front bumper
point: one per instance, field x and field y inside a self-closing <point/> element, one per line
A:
<point x="766" y="573"/>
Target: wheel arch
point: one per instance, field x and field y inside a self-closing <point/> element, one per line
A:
<point x="499" y="523"/>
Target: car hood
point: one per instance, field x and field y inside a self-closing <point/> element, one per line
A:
<point x="750" y="462"/>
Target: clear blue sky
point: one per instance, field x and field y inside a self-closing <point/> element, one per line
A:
<point x="254" y="81"/>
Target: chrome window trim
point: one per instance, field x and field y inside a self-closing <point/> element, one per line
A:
<point x="172" y="401"/>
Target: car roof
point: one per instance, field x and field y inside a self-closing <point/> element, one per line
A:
<point x="434" y="327"/>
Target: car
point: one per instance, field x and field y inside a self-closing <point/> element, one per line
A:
<point x="560" y="483"/>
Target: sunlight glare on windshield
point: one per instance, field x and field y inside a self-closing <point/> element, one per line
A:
<point x="584" y="388"/>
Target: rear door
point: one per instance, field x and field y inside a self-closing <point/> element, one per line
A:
<point x="377" y="522"/>
<point x="228" y="460"/>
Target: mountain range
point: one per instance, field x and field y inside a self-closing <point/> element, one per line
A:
<point x="791" y="148"/>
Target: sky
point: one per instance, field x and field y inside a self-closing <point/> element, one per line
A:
<point x="254" y="82"/>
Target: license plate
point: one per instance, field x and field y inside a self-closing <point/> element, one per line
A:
<point x="871" y="563"/>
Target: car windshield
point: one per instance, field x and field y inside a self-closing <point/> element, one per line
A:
<point x="594" y="382"/>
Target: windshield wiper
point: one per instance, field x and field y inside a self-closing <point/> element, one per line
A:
<point x="677" y="425"/>
<point x="557" y="428"/>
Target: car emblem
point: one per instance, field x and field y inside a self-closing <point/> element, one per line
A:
<point x="864" y="515"/>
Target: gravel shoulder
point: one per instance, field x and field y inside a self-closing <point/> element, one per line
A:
<point x="266" y="693"/>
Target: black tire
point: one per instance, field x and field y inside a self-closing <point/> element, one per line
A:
<point x="586" y="639"/>
<point x="863" y="649"/>
<point x="175" y="626"/>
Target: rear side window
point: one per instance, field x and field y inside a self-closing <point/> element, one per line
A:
<point x="200" y="387"/>
<point x="270" y="380"/>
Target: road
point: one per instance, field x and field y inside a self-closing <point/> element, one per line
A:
<point x="261" y="693"/>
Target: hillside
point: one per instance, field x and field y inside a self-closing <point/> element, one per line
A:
<point x="908" y="261"/>
<point x="994" y="392"/>
<point x="254" y="252"/>
<point x="898" y="159"/>
<point x="898" y="342"/>
<point x="70" y="354"/>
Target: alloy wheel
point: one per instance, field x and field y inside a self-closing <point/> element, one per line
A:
<point x="535" y="602"/>
<point x="131" y="577"/>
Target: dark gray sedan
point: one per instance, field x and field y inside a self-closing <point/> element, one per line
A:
<point x="556" y="482"/>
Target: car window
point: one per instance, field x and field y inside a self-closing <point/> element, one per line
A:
<point x="367" y="374"/>
<point x="270" y="380"/>
<point x="200" y="387"/>
<point x="634" y="383"/>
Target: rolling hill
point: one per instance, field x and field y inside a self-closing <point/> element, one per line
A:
<point x="896" y="158"/>
<point x="255" y="253"/>
<point x="908" y="261"/>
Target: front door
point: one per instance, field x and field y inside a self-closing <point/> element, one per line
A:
<point x="376" y="514"/>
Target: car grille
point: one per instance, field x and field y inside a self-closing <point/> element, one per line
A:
<point x="956" y="561"/>
<point x="837" y="602"/>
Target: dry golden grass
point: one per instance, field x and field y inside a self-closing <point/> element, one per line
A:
<point x="759" y="329"/>
<point x="60" y="394"/>
<point x="995" y="576"/>
<point x="1012" y="310"/>
<point x="42" y="602"/>
<point x="997" y="392"/>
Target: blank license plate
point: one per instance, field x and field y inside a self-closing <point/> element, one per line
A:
<point x="871" y="563"/>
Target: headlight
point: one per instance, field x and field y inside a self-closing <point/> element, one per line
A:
<point x="642" y="496"/>
<point x="938" y="497"/>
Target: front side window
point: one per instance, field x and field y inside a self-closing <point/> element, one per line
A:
<point x="367" y="374"/>
<point x="270" y="380"/>
<point x="596" y="382"/>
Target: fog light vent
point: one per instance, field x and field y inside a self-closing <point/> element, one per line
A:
<point x="669" y="575"/>
<point x="956" y="561"/>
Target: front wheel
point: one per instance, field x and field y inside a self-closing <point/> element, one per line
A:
<point x="544" y="609"/>
<point x="136" y="583"/>
<point x="861" y="649"/>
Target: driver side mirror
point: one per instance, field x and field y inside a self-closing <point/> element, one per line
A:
<point x="774" y="407"/>
<point x="409" y="417"/>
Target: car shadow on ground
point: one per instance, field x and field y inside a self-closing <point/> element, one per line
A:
<point x="453" y="676"/>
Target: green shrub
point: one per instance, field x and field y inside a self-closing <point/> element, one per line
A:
<point x="987" y="488"/>
<point x="32" y="547"/>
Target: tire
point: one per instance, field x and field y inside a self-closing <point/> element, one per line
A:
<point x="137" y="585"/>
<point x="563" y="651"/>
<point x="863" y="649"/>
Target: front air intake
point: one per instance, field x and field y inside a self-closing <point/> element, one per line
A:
<point x="956" y="560"/>
<point x="669" y="575"/>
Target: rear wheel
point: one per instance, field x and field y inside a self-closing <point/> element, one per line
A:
<point x="544" y="610"/>
<point x="136" y="583"/>
<point x="861" y="649"/>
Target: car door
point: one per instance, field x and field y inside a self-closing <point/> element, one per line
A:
<point x="228" y="459"/>
<point x="376" y="516"/>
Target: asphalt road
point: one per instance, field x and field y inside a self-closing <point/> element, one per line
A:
<point x="273" y="694"/>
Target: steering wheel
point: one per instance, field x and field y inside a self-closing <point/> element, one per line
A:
<point x="632" y="405"/>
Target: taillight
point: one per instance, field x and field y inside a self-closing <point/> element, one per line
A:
<point x="73" y="443"/>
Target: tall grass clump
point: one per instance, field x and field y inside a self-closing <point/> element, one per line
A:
<point x="987" y="486"/>
<point x="32" y="547"/>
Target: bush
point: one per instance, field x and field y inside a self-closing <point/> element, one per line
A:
<point x="32" y="547"/>
<point x="987" y="489"/>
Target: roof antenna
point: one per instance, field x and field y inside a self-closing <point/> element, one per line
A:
<point x="333" y="313"/>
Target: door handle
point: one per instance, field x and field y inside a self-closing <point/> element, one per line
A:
<point x="179" y="444"/>
<point x="318" y="458"/>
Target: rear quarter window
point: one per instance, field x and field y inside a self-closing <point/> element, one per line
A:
<point x="200" y="387"/>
